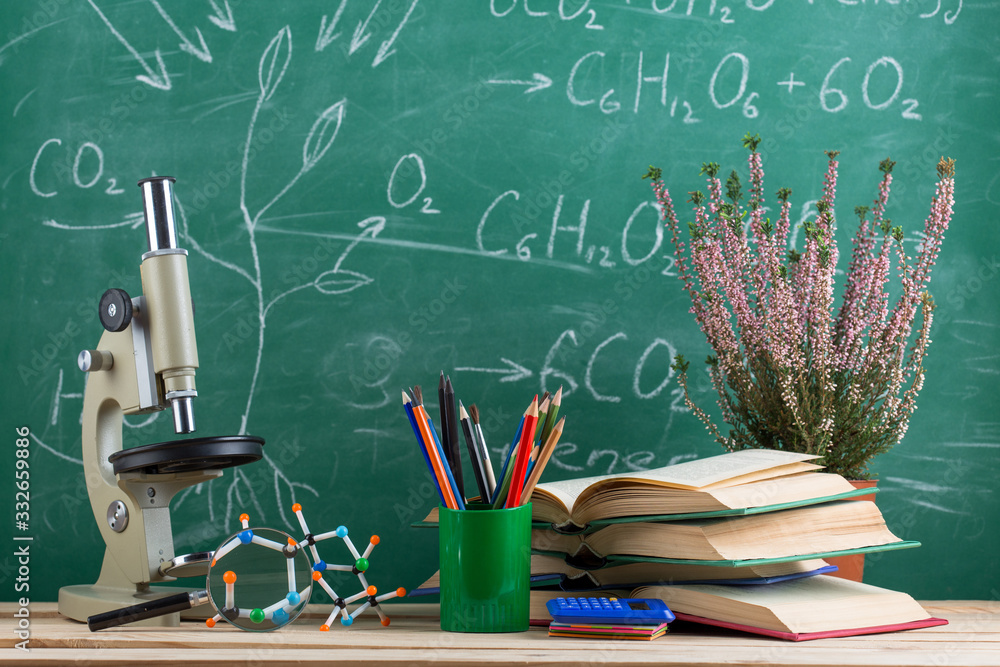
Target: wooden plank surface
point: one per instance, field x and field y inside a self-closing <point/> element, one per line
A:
<point x="971" y="638"/>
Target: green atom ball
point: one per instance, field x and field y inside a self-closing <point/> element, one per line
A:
<point x="257" y="615"/>
<point x="361" y="564"/>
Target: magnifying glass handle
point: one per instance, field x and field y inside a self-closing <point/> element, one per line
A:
<point x="144" y="610"/>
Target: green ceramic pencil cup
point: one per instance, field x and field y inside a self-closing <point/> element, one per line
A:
<point x="485" y="568"/>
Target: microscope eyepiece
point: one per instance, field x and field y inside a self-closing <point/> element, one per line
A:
<point x="158" y="205"/>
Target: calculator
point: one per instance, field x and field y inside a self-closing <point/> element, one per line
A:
<point x="631" y="611"/>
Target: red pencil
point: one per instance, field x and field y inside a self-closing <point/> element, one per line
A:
<point x="523" y="453"/>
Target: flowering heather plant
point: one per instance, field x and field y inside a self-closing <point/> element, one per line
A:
<point x="792" y="372"/>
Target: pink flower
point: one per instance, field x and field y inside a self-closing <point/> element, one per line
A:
<point x="789" y="372"/>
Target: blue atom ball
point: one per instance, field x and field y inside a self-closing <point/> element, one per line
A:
<point x="319" y="566"/>
<point x="341" y="531"/>
<point x="280" y="617"/>
<point x="246" y="536"/>
<point x="293" y="598"/>
<point x="347" y="621"/>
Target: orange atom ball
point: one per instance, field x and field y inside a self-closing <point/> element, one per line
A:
<point x="291" y="541"/>
<point x="244" y="517"/>
<point x="210" y="622"/>
<point x="317" y="575"/>
<point x="296" y="507"/>
<point x="401" y="592"/>
<point x="324" y="627"/>
<point x="372" y="590"/>
<point x="229" y="577"/>
<point x="385" y="621"/>
<point x="374" y="539"/>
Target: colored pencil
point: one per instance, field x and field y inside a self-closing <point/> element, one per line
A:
<point x="434" y="450"/>
<point x="477" y="430"/>
<point x="459" y="498"/>
<point x="500" y="493"/>
<point x="543" y="458"/>
<point x="420" y="442"/>
<point x="550" y="417"/>
<point x="434" y="462"/>
<point x="474" y="454"/>
<point x="543" y="410"/>
<point x="523" y="452"/>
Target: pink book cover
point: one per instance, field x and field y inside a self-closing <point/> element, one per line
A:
<point x="805" y="636"/>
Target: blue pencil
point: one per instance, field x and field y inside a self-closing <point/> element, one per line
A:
<point x="531" y="466"/>
<point x="420" y="441"/>
<point x="447" y="468"/>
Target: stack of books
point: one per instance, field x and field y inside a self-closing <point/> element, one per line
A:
<point x="736" y="540"/>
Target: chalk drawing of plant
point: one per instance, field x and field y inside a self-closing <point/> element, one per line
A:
<point x="273" y="65"/>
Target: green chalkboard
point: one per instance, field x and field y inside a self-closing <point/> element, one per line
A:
<point x="373" y="191"/>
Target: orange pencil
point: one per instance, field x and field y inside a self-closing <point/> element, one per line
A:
<point x="432" y="452"/>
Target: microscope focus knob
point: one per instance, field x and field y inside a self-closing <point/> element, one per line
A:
<point x="115" y="310"/>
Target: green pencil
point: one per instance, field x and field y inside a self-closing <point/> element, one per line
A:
<point x="550" y="417"/>
<point x="543" y="410"/>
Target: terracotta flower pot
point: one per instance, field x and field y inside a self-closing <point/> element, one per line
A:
<point x="853" y="567"/>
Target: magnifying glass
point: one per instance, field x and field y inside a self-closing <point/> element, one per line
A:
<point x="257" y="581"/>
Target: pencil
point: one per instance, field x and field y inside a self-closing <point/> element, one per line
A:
<point x="420" y="442"/>
<point x="553" y="412"/>
<point x="430" y="455"/>
<point x="503" y="485"/>
<point x="523" y="452"/>
<point x="459" y="498"/>
<point x="434" y="450"/>
<point x="543" y="458"/>
<point x="543" y="410"/>
<point x="477" y="430"/>
<point x="474" y="454"/>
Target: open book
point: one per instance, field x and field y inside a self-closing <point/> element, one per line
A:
<point x="797" y="609"/>
<point x="734" y="483"/>
<point x="814" y="531"/>
<point x="800" y="609"/>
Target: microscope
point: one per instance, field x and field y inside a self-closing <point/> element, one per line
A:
<point x="145" y="362"/>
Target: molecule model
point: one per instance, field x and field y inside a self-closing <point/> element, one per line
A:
<point x="358" y="567"/>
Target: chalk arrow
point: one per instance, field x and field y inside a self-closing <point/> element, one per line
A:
<point x="222" y="19"/>
<point x="133" y="220"/>
<point x="537" y="82"/>
<point x="159" y="80"/>
<point x="326" y="34"/>
<point x="383" y="51"/>
<point x="359" y="38"/>
<point x="202" y="53"/>
<point x="512" y="373"/>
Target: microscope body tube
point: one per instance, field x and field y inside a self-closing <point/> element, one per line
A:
<point x="171" y="324"/>
<point x="169" y="309"/>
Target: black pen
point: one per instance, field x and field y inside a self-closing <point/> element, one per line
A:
<point x="456" y="453"/>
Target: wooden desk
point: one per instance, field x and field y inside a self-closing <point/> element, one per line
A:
<point x="414" y="638"/>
